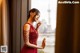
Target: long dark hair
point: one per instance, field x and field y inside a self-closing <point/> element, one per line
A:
<point x="33" y="10"/>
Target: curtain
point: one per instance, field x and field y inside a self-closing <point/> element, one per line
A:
<point x="1" y="41"/>
<point x="4" y="23"/>
<point x="68" y="28"/>
<point x="17" y="18"/>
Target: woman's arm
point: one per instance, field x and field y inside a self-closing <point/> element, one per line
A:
<point x="26" y="29"/>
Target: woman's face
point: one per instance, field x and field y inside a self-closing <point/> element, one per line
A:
<point x="34" y="16"/>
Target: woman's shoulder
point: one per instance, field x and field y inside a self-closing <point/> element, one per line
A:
<point x="26" y="26"/>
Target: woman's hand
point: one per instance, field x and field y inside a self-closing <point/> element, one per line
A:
<point x="43" y="43"/>
<point x="38" y="24"/>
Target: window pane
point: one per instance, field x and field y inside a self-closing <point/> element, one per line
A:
<point x="47" y="29"/>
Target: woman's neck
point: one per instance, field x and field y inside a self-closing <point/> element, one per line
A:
<point x="30" y="20"/>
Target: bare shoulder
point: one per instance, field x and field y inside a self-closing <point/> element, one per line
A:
<point x="26" y="27"/>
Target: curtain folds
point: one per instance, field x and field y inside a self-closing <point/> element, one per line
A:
<point x="68" y="28"/>
<point x="4" y="30"/>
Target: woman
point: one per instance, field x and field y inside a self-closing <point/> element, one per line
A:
<point x="30" y="34"/>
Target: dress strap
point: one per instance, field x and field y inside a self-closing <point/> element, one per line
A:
<point x="30" y="25"/>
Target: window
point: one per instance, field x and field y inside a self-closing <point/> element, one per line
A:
<point x="47" y="29"/>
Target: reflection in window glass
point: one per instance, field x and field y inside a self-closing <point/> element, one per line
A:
<point x="48" y="18"/>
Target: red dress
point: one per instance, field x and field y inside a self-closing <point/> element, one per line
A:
<point x="33" y="35"/>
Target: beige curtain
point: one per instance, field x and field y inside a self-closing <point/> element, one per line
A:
<point x="68" y="28"/>
<point x="3" y="23"/>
